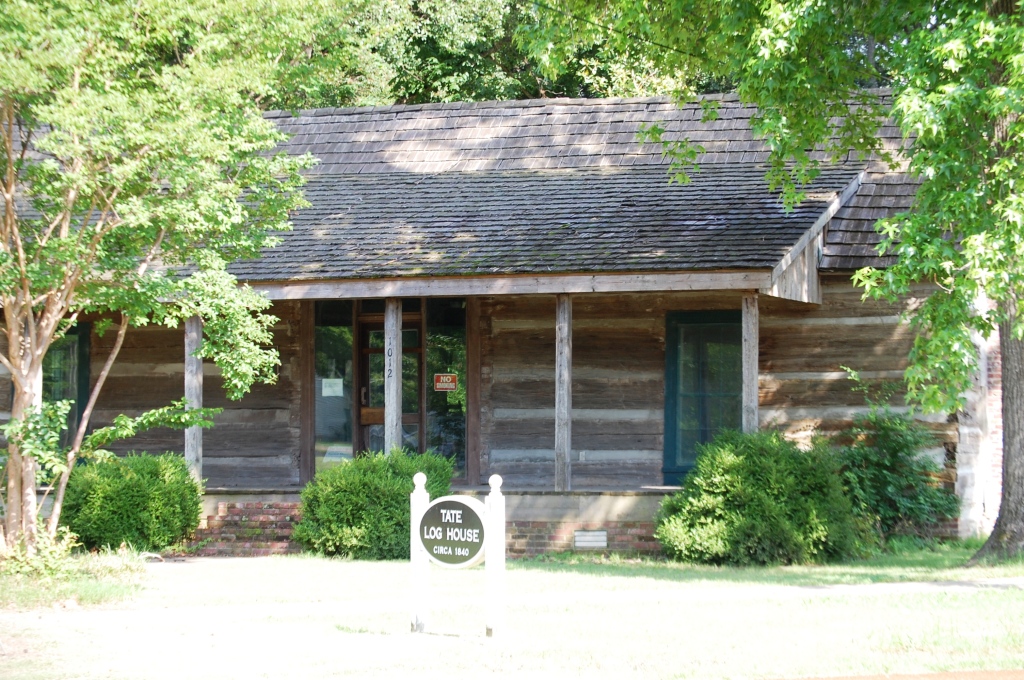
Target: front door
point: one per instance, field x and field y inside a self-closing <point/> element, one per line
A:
<point x="371" y="382"/>
<point x="349" y="378"/>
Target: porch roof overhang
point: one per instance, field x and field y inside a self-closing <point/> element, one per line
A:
<point x="453" y="286"/>
<point x="567" y="231"/>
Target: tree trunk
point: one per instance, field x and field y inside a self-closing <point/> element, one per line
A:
<point x="22" y="511"/>
<point x="1007" y="538"/>
<point x="13" y="515"/>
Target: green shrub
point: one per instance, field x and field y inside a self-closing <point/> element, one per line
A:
<point x="148" y="502"/>
<point x="50" y="559"/>
<point x="360" y="508"/>
<point x="758" y="499"/>
<point x="891" y="483"/>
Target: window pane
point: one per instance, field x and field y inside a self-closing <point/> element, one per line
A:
<point x="333" y="383"/>
<point x="60" y="380"/>
<point x="446" y="353"/>
<point x="689" y="360"/>
<point x="410" y="339"/>
<point x="60" y="370"/>
<point x="723" y="372"/>
<point x="410" y="384"/>
<point x="376" y="386"/>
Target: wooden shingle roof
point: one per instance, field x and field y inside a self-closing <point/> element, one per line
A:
<point x="552" y="187"/>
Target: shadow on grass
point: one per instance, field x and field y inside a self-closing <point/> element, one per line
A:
<point x="938" y="562"/>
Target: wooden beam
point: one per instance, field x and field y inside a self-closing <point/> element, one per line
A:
<point x="307" y="391"/>
<point x="473" y="391"/>
<point x="194" y="395"/>
<point x="750" y="326"/>
<point x="442" y="286"/>
<point x="563" y="392"/>
<point x="795" y="277"/>
<point x="392" y="374"/>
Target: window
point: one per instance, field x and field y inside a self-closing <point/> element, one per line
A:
<point x="66" y="375"/>
<point x="703" y="384"/>
<point x="333" y="401"/>
<point x="446" y="356"/>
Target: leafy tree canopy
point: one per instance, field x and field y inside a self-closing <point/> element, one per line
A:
<point x="418" y="51"/>
<point x="956" y="73"/>
<point x="135" y="166"/>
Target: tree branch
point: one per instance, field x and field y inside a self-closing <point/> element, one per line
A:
<point x="83" y="426"/>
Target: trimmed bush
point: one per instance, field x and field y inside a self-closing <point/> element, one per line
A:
<point x="360" y="508"/>
<point x="758" y="499"/>
<point x="148" y="502"/>
<point x="891" y="483"/>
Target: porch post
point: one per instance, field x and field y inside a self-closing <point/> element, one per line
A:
<point x="563" y="391"/>
<point x="750" y="325"/>
<point x="392" y="374"/>
<point x="194" y="395"/>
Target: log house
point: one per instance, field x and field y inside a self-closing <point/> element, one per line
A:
<point x="522" y="286"/>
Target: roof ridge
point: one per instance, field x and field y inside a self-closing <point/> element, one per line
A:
<point x="545" y="102"/>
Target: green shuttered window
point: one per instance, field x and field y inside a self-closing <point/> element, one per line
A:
<point x="703" y="384"/>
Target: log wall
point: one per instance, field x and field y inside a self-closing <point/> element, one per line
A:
<point x="255" y="441"/>
<point x="619" y="372"/>
<point x="618" y="387"/>
<point x="803" y="386"/>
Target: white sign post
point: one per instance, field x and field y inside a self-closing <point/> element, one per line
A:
<point x="419" y="499"/>
<point x="495" y="566"/>
<point x="456" y="532"/>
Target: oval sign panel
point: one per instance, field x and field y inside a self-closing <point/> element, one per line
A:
<point x="452" y="531"/>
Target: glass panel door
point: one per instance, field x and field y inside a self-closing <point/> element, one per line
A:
<point x="371" y="404"/>
<point x="334" y="384"/>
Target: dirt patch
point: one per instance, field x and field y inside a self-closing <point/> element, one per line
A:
<point x="300" y="617"/>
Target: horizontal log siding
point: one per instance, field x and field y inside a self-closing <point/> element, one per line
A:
<point x="618" y="377"/>
<point x="254" y="442"/>
<point x="618" y="387"/>
<point x="803" y="349"/>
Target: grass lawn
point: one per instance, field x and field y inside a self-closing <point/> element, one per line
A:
<point x="303" y="617"/>
<point x="938" y="562"/>
<point x="91" y="579"/>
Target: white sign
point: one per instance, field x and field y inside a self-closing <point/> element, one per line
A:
<point x="332" y="387"/>
<point x="451" y="531"/>
<point x="456" y="532"/>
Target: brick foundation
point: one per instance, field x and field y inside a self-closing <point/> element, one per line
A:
<point x="249" y="529"/>
<point x="254" y="528"/>
<point x="525" y="539"/>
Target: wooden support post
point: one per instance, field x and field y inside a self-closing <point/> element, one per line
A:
<point x="194" y="395"/>
<point x="750" y="325"/>
<point x="563" y="391"/>
<point x="419" y="499"/>
<point x="392" y="374"/>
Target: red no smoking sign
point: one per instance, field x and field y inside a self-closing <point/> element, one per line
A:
<point x="445" y="382"/>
